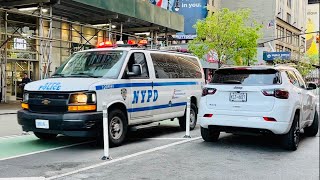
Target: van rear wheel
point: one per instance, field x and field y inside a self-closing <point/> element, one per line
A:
<point x="193" y="118"/>
<point x="45" y="136"/>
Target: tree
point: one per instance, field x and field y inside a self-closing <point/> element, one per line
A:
<point x="305" y="65"/>
<point x="232" y="35"/>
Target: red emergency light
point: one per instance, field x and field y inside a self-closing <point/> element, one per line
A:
<point x="105" y="44"/>
<point x="143" y="42"/>
<point x="131" y="42"/>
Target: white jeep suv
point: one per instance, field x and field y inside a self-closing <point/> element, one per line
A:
<point x="261" y="99"/>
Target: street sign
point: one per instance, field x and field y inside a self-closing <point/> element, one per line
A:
<point x="270" y="56"/>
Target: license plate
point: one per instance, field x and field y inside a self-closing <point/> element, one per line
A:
<point x="238" y="97"/>
<point x="42" y="124"/>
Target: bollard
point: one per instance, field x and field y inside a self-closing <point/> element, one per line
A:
<point x="188" y="119"/>
<point x="105" y="133"/>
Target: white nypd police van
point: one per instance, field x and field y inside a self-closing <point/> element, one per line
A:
<point x="139" y="86"/>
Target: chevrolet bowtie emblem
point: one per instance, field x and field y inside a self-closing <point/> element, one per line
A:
<point x="45" y="102"/>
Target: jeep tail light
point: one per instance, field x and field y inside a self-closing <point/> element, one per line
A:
<point x="208" y="91"/>
<point x="278" y="93"/>
<point x="208" y="115"/>
<point x="269" y="119"/>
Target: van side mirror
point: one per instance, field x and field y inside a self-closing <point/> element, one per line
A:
<point x="311" y="86"/>
<point x="136" y="70"/>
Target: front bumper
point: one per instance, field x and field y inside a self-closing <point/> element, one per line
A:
<point x="70" y="124"/>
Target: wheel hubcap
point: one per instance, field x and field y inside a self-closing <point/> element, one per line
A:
<point x="116" y="127"/>
<point x="296" y="134"/>
<point x="192" y="117"/>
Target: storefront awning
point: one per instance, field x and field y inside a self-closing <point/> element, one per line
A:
<point x="135" y="15"/>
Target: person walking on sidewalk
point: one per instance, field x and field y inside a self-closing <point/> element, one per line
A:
<point x="25" y="80"/>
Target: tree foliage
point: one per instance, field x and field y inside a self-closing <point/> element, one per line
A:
<point x="304" y="65"/>
<point x="232" y="35"/>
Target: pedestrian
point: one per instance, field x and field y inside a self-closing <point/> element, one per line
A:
<point x="25" y="80"/>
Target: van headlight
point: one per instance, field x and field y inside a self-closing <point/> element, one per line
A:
<point x="25" y="97"/>
<point x="84" y="101"/>
<point x="83" y="98"/>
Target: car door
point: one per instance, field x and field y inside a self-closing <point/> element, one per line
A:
<point x="306" y="99"/>
<point x="299" y="93"/>
<point x="141" y="94"/>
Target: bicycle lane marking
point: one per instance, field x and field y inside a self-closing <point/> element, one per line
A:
<point x="27" y="145"/>
<point x="123" y="158"/>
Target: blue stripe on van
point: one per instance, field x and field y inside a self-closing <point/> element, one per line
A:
<point x="126" y="85"/>
<point x="148" y="108"/>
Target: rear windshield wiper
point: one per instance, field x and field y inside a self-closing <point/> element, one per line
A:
<point x="231" y="82"/>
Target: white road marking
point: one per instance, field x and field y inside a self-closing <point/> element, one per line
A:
<point x="24" y="178"/>
<point x="14" y="136"/>
<point x="47" y="150"/>
<point x="159" y="138"/>
<point x="123" y="158"/>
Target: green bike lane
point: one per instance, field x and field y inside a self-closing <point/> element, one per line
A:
<point x="27" y="144"/>
<point x="27" y="156"/>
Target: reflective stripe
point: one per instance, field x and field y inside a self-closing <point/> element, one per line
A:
<point x="124" y="85"/>
<point x="148" y="108"/>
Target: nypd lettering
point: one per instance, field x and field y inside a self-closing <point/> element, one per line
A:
<point x="144" y="96"/>
<point x="52" y="86"/>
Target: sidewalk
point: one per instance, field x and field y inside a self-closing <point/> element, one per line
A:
<point x="9" y="108"/>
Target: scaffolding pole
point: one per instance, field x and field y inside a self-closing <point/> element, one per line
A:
<point x="40" y="43"/>
<point x="5" y="59"/>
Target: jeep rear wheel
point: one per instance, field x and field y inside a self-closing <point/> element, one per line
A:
<point x="313" y="129"/>
<point x="292" y="138"/>
<point x="209" y="135"/>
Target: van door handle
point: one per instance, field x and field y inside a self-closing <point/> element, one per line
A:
<point x="299" y="92"/>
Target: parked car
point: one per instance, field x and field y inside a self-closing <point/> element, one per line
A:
<point x="139" y="87"/>
<point x="261" y="99"/>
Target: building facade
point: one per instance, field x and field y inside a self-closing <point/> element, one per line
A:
<point x="37" y="37"/>
<point x="284" y="24"/>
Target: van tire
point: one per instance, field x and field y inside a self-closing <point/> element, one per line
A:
<point x="313" y="129"/>
<point x="45" y="136"/>
<point x="193" y="114"/>
<point x="209" y="135"/>
<point x="292" y="138"/>
<point x="117" y="122"/>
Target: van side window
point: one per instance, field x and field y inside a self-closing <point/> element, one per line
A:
<point x="169" y="66"/>
<point x="138" y="58"/>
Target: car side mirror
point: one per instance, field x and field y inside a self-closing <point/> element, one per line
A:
<point x="311" y="86"/>
<point x="136" y="70"/>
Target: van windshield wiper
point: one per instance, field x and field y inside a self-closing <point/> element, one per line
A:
<point x="58" y="75"/>
<point x="83" y="74"/>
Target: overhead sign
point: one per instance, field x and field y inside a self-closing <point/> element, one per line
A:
<point x="270" y="56"/>
<point x="192" y="10"/>
<point x="19" y="43"/>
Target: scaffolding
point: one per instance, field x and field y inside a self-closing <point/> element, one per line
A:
<point x="44" y="45"/>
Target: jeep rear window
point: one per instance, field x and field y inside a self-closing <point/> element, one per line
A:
<point x="246" y="76"/>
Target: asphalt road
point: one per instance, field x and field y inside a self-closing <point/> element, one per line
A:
<point x="158" y="153"/>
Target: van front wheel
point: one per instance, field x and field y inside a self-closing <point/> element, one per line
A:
<point x="45" y="136"/>
<point x="193" y="118"/>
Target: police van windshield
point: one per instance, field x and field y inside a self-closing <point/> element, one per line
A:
<point x="106" y="64"/>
